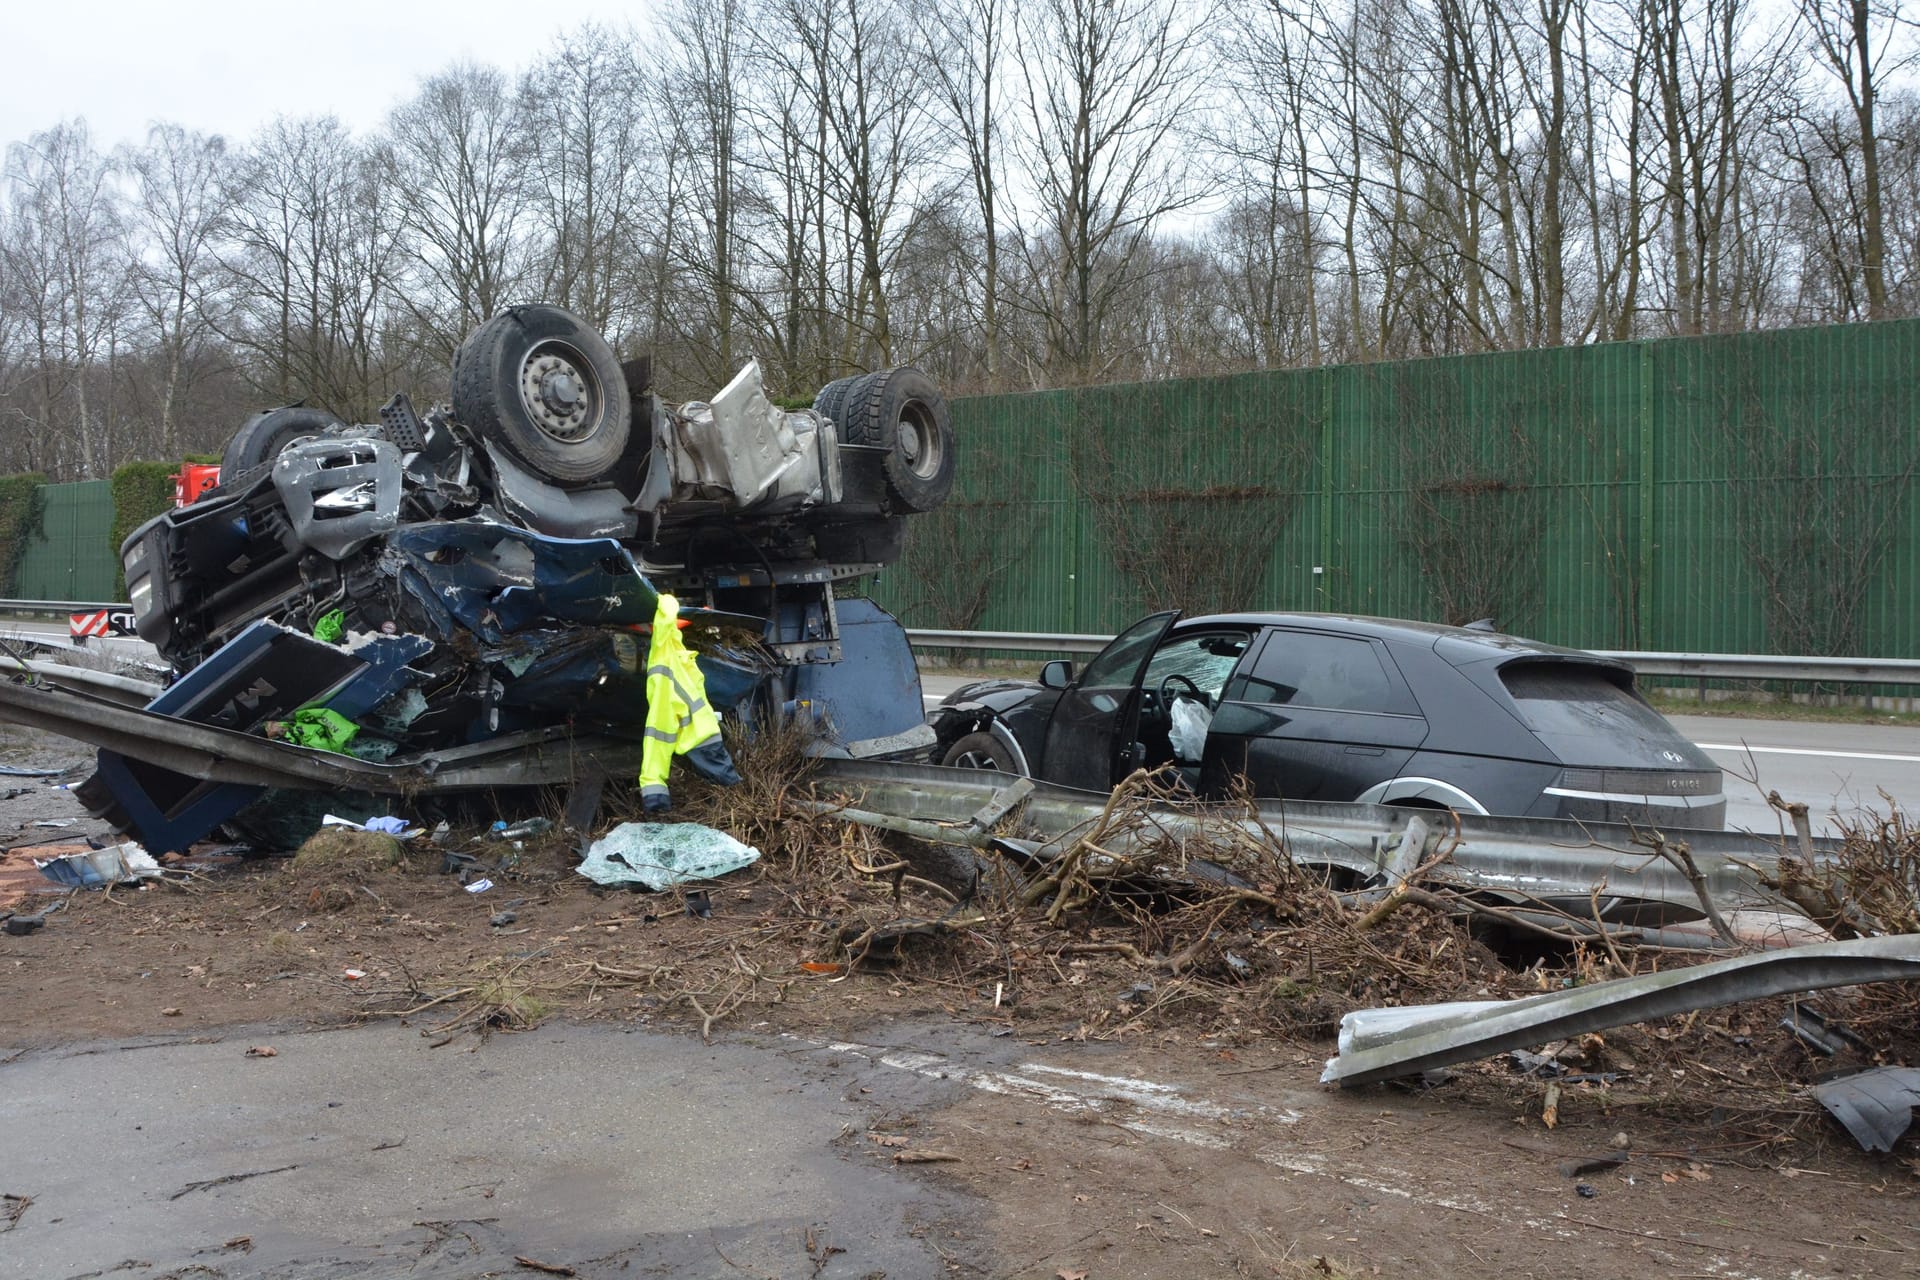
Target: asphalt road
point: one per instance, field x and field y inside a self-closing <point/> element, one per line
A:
<point x="366" y="1153"/>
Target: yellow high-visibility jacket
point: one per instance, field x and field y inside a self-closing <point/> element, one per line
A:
<point x="678" y="717"/>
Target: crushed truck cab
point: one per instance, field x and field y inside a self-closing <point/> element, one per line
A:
<point x="519" y="537"/>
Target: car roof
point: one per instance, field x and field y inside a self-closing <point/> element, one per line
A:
<point x="1463" y="644"/>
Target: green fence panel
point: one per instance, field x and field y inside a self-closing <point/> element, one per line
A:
<point x="72" y="559"/>
<point x="1737" y="493"/>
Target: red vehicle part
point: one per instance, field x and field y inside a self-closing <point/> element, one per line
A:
<point x="192" y="480"/>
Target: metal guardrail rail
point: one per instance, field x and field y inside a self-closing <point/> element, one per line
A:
<point x="62" y="606"/>
<point x="1693" y="666"/>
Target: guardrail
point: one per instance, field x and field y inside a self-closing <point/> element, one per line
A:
<point x="1692" y="666"/>
<point x="62" y="606"/>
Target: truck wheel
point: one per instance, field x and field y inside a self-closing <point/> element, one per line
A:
<point x="902" y="412"/>
<point x="540" y="382"/>
<point x="831" y="404"/>
<point x="264" y="435"/>
<point x="979" y="751"/>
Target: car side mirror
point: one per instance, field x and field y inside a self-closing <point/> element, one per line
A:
<point x="1057" y="674"/>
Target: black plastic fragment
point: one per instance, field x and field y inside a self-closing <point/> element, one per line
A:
<point x="1875" y="1105"/>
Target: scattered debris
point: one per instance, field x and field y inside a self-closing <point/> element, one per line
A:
<point x="549" y="1268"/>
<point x="520" y="830"/>
<point x="391" y="826"/>
<point x="226" y="1180"/>
<point x="1581" y="1165"/>
<point x="1443" y="1034"/>
<point x="98" y="868"/>
<point x="12" y="1209"/>
<point x="925" y="1157"/>
<point x="479" y="886"/>
<point x="660" y="855"/>
<point x="1875" y="1105"/>
<point x="262" y="1051"/>
<point x="1819" y="1033"/>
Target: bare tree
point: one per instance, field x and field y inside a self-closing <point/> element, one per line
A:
<point x="67" y="269"/>
<point x="966" y="47"/>
<point x="1110" y="85"/>
<point x="455" y="162"/>
<point x="310" y="268"/>
<point x="1861" y="44"/>
<point x="177" y="216"/>
<point x="587" y="159"/>
<point x="696" y="76"/>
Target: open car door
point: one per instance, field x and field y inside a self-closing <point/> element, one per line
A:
<point x="1090" y="735"/>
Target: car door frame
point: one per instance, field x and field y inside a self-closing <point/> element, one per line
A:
<point x="1080" y="746"/>
<point x="1218" y="769"/>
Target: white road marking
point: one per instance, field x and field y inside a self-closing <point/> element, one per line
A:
<point x="1807" y="751"/>
<point x="1095" y="1092"/>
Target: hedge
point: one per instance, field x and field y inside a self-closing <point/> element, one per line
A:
<point x="21" y="507"/>
<point x="141" y="491"/>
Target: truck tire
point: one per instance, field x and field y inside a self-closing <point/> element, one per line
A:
<point x="264" y="435"/>
<point x="901" y="411"/>
<point x="831" y="404"/>
<point x="538" y="381"/>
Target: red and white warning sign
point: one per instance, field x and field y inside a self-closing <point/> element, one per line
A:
<point x="101" y="622"/>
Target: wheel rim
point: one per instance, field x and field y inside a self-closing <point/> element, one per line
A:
<point x="562" y="396"/>
<point x="977" y="760"/>
<point x="921" y="447"/>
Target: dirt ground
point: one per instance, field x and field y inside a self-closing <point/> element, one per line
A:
<point x="1240" y="1164"/>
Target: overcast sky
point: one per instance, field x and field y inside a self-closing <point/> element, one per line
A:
<point x="227" y="67"/>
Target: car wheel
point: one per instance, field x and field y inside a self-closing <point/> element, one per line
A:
<point x="902" y="412"/>
<point x="265" y="435"/>
<point x="980" y="751"/>
<point x="541" y="383"/>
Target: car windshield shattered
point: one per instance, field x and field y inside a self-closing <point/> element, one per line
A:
<point x="489" y="570"/>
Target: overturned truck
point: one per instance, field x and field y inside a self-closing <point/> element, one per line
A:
<point x="475" y="582"/>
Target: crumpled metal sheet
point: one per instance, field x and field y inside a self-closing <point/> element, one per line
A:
<point x="492" y="579"/>
<point x="340" y="494"/>
<point x="1457" y="1034"/>
<point x="743" y="445"/>
<point x="1875" y="1105"/>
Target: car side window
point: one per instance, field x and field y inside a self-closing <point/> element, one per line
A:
<point x="1115" y="665"/>
<point x="1207" y="660"/>
<point x="1312" y="669"/>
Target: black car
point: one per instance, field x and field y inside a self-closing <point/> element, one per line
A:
<point x="1328" y="707"/>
